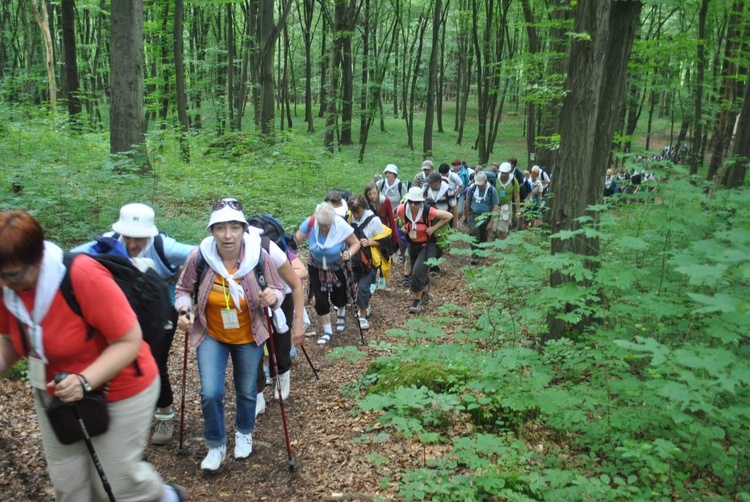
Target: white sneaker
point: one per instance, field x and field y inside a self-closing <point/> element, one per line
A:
<point x="215" y="457"/>
<point x="363" y="323"/>
<point x="260" y="404"/>
<point x="243" y="445"/>
<point x="284" y="380"/>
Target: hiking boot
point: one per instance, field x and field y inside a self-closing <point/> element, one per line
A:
<point x="416" y="307"/>
<point x="363" y="324"/>
<point x="243" y="445"/>
<point x="425" y="298"/>
<point x="381" y="283"/>
<point x="260" y="404"/>
<point x="180" y="491"/>
<point x="284" y="379"/>
<point x="214" y="458"/>
<point x="163" y="431"/>
<point x="407" y="281"/>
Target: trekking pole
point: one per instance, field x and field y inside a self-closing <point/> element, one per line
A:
<point x="309" y="361"/>
<point x="180" y="448"/>
<point x="290" y="462"/>
<point x="87" y="439"/>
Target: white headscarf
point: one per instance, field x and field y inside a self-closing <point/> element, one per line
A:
<point x="250" y="258"/>
<point x="51" y="274"/>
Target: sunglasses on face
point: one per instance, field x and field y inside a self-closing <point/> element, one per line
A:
<point x="233" y="203"/>
<point x="14" y="276"/>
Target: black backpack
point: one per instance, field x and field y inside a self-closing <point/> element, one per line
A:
<point x="146" y="292"/>
<point x="272" y="229"/>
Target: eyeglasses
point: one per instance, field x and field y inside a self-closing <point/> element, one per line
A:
<point x="233" y="203"/>
<point x="14" y="276"/>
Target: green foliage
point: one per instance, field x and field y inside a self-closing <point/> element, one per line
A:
<point x="19" y="371"/>
<point x="650" y="401"/>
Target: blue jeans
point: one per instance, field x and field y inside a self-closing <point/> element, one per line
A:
<point x="212" y="367"/>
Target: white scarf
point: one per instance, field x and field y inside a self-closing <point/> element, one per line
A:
<point x="436" y="196"/>
<point x="386" y="187"/>
<point x="251" y="243"/>
<point x="477" y="198"/>
<point x="414" y="219"/>
<point x="510" y="180"/>
<point x="337" y="234"/>
<point x="51" y="274"/>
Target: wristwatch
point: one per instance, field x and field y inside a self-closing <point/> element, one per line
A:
<point x="85" y="384"/>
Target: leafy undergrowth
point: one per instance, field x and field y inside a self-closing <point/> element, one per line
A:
<point x="649" y="402"/>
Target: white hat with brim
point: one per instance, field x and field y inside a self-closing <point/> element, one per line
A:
<point x="391" y="168"/>
<point x="506" y="168"/>
<point x="136" y="221"/>
<point x="415" y="194"/>
<point x="224" y="215"/>
<point x="427" y="164"/>
<point x="480" y="179"/>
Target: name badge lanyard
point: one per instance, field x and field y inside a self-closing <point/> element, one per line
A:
<point x="228" y="314"/>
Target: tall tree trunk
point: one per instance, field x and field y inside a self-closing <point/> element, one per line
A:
<point x="364" y="91"/>
<point x="592" y="107"/>
<point x="728" y="78"/>
<point x="441" y="71"/>
<point x="269" y="34"/>
<point x="736" y="167"/>
<point x="179" y="71"/>
<point x="42" y="19"/>
<point x="696" y="154"/>
<point x="126" y="118"/>
<point x="71" y="62"/>
<point x="432" y="81"/>
<point x="422" y="26"/>
<point x="308" y="11"/>
<point x="229" y="24"/>
<point x="533" y="36"/>
<point x="324" y="65"/>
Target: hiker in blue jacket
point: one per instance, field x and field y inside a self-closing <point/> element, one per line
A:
<point x="136" y="231"/>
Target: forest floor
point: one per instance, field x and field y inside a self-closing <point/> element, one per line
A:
<point x="327" y="434"/>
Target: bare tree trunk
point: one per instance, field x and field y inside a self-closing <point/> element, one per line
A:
<point x="696" y="154"/>
<point x="592" y="107"/>
<point x="179" y="69"/>
<point x="71" y="62"/>
<point x="734" y="171"/>
<point x="429" y="120"/>
<point x="42" y="19"/>
<point x="126" y="118"/>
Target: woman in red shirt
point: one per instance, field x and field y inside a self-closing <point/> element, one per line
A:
<point x="419" y="229"/>
<point x="55" y="339"/>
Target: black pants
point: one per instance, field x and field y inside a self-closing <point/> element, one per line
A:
<point x="419" y="253"/>
<point x="282" y="342"/>
<point x="337" y="296"/>
<point x="160" y="350"/>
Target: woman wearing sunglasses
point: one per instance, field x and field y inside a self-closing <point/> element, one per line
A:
<point x="102" y="349"/>
<point x="332" y="243"/>
<point x="419" y="228"/>
<point x="228" y="318"/>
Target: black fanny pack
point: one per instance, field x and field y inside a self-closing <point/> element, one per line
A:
<point x="69" y="420"/>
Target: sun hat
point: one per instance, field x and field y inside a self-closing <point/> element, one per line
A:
<point x="505" y="167"/>
<point x="415" y="194"/>
<point x="427" y="164"/>
<point x="136" y="220"/>
<point x="225" y="210"/>
<point x="391" y="168"/>
<point x="481" y="178"/>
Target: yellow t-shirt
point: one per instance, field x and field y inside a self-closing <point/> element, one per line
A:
<point x="218" y="299"/>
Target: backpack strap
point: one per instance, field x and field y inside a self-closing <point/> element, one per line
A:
<point x="259" y="277"/>
<point x="200" y="273"/>
<point x="310" y="225"/>
<point x="359" y="228"/>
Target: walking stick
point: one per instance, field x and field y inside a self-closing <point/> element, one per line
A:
<point x="180" y="448"/>
<point x="309" y="362"/>
<point x="87" y="439"/>
<point x="290" y="462"/>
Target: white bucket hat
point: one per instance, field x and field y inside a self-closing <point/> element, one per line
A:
<point x="136" y="220"/>
<point x="391" y="168"/>
<point x="226" y="210"/>
<point x="505" y="167"/>
<point x="415" y="195"/>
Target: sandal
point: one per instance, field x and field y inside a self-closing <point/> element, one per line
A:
<point x="325" y="338"/>
<point x="340" y="323"/>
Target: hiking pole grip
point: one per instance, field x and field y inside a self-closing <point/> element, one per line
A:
<point x="87" y="439"/>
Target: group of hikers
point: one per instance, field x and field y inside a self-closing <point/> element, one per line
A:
<point x="240" y="287"/>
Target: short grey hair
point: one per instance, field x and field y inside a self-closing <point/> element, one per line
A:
<point x="324" y="214"/>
